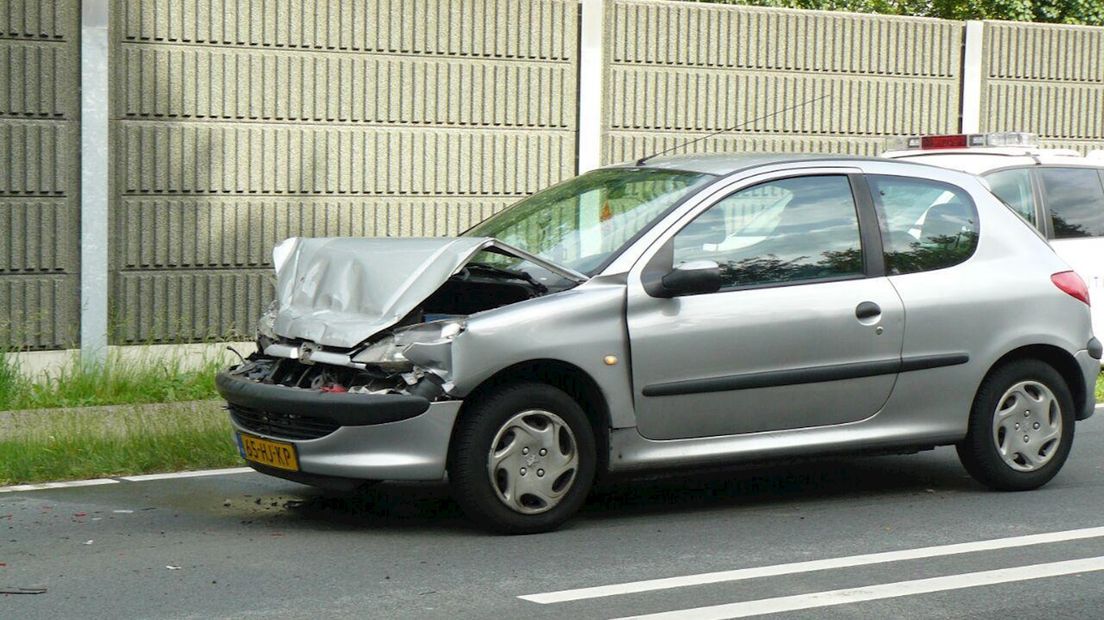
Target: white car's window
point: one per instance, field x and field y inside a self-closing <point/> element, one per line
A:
<point x="1075" y="198"/>
<point x="791" y="230"/>
<point x="925" y="224"/>
<point x="1014" y="188"/>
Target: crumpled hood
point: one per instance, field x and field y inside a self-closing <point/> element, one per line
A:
<point x="340" y="291"/>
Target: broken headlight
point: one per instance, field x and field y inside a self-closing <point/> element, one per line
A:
<point x="388" y="351"/>
<point x="266" y="331"/>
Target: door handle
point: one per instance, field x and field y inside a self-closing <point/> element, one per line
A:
<point x="867" y="310"/>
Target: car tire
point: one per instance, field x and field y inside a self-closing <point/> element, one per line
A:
<point x="523" y="459"/>
<point x="1010" y="444"/>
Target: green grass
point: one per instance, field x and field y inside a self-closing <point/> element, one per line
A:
<point x="1100" y="388"/>
<point x="74" y="443"/>
<point x="117" y="382"/>
<point x="70" y="445"/>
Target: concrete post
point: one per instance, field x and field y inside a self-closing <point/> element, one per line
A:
<point x="972" y="77"/>
<point x="94" y="180"/>
<point x="590" y="84"/>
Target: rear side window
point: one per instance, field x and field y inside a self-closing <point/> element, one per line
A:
<point x="1075" y="197"/>
<point x="925" y="224"/>
<point x="802" y="229"/>
<point x="1014" y="188"/>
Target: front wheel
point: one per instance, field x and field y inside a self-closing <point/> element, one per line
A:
<point x="523" y="459"/>
<point x="1021" y="427"/>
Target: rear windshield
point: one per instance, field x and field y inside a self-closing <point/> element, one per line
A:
<point x="1075" y="197"/>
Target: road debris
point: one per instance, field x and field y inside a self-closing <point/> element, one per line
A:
<point x="172" y="567"/>
<point x="17" y="590"/>
<point x="88" y="542"/>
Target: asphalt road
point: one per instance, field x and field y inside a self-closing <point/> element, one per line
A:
<point x="245" y="546"/>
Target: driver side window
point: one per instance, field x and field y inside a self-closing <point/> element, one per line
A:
<point x="800" y="229"/>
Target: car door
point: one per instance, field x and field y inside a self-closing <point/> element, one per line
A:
<point x="805" y="330"/>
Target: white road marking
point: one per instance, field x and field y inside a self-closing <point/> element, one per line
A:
<point x="57" y="485"/>
<point x="649" y="585"/>
<point x="881" y="591"/>
<point x="144" y="478"/>
<point x="188" y="474"/>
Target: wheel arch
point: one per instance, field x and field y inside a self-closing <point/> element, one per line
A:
<point x="576" y="382"/>
<point x="1059" y="359"/>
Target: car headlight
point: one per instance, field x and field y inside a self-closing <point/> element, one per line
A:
<point x="266" y="324"/>
<point x="388" y="351"/>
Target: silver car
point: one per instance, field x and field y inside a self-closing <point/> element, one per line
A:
<point x="679" y="312"/>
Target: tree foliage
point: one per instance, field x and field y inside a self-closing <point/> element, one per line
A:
<point x="1087" y="12"/>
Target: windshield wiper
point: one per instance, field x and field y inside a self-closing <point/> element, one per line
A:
<point x="511" y="273"/>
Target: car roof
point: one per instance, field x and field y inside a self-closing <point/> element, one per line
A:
<point x="722" y="164"/>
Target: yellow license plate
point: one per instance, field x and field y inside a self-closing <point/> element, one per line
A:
<point x="272" y="453"/>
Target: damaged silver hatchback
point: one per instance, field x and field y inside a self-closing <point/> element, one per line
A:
<point x="690" y="311"/>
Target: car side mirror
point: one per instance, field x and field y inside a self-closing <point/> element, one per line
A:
<point x="690" y="278"/>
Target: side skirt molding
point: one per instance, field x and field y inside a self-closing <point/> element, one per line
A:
<point x="798" y="376"/>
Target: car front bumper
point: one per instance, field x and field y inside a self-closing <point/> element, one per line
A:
<point x="379" y="437"/>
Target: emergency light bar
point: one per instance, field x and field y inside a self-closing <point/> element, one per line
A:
<point x="971" y="140"/>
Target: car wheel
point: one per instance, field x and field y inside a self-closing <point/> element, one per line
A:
<point x="523" y="459"/>
<point x="1021" y="427"/>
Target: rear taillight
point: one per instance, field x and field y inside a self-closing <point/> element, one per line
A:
<point x="1072" y="285"/>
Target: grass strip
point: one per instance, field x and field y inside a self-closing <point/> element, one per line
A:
<point x="44" y="446"/>
<point x="118" y="381"/>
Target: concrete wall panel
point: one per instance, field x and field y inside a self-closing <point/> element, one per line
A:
<point x="39" y="311"/>
<point x="1045" y="79"/>
<point x="678" y="70"/>
<point x="242" y="122"/>
<point x="39" y="136"/>
<point x="239" y="231"/>
<point x="191" y="304"/>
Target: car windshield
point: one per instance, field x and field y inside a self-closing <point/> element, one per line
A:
<point x="582" y="222"/>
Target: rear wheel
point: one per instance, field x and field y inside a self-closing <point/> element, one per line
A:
<point x="1021" y="427"/>
<point x="523" y="459"/>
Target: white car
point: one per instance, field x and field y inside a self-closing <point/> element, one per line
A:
<point x="1059" y="191"/>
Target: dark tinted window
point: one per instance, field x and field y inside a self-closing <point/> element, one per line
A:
<point x="1075" y="197"/>
<point x="925" y="224"/>
<point x="1014" y="188"/>
<point x="783" y="231"/>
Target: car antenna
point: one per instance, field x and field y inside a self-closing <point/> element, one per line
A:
<point x="642" y="160"/>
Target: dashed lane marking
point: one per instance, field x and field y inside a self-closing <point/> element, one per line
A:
<point x="188" y="474"/>
<point x="830" y="598"/>
<point x="649" y="585"/>
<point x="57" y="485"/>
<point x="144" y="478"/>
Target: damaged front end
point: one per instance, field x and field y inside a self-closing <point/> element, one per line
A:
<point x="379" y="316"/>
<point x="414" y="360"/>
<point x="358" y="343"/>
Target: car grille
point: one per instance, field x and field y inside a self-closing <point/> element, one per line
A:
<point x="282" y="425"/>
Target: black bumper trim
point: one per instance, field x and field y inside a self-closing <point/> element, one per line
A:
<point x="341" y="408"/>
